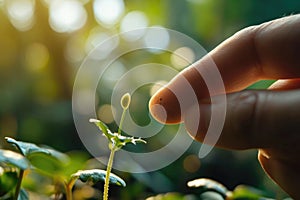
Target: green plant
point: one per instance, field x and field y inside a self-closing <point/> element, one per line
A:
<point x="115" y="140"/>
<point x="210" y="189"/>
<point x="52" y="163"/>
<point x="48" y="162"/>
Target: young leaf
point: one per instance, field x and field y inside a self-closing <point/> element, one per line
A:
<point x="63" y="158"/>
<point x="23" y="195"/>
<point x="115" y="138"/>
<point x="44" y="158"/>
<point x="96" y="175"/>
<point x="247" y="192"/>
<point x="209" y="185"/>
<point x="13" y="158"/>
<point x="102" y="126"/>
<point x="26" y="148"/>
<point x="211" y="195"/>
<point x="8" y="180"/>
<point x="120" y="140"/>
<point x="169" y="196"/>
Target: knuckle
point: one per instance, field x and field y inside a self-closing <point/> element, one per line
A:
<point x="246" y="117"/>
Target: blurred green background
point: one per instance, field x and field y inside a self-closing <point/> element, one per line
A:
<point x="43" y="43"/>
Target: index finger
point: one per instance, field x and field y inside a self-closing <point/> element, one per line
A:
<point x="266" y="51"/>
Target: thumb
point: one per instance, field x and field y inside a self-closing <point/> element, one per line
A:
<point x="254" y="119"/>
<point x="284" y="173"/>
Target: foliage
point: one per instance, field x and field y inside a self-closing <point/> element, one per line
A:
<point x="96" y="175"/>
<point x="14" y="164"/>
<point x="205" y="188"/>
<point x="210" y="189"/>
<point x="52" y="162"/>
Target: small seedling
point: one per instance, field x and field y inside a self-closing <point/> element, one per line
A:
<point x="115" y="140"/>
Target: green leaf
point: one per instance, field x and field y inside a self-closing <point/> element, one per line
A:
<point x="23" y="195"/>
<point x="13" y="158"/>
<point x="96" y="175"/>
<point x="62" y="157"/>
<point x="211" y="195"/>
<point x="47" y="163"/>
<point x="116" y="139"/>
<point x="8" y="180"/>
<point x="26" y="148"/>
<point x="44" y="158"/>
<point x="171" y="196"/>
<point x="102" y="126"/>
<point x="247" y="192"/>
<point x="209" y="185"/>
<point x="119" y="140"/>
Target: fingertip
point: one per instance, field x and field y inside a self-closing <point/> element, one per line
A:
<point x="164" y="107"/>
<point x="158" y="112"/>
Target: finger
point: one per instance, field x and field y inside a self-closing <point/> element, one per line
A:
<point x="267" y="51"/>
<point x="283" y="173"/>
<point x="289" y="84"/>
<point x="254" y="119"/>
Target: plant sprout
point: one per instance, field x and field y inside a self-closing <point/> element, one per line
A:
<point x="115" y="140"/>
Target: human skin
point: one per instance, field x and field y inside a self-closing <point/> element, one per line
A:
<point x="268" y="120"/>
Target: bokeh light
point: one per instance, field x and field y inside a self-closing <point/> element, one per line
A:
<point x="157" y="39"/>
<point x="108" y="12"/>
<point x="75" y="51"/>
<point x="36" y="56"/>
<point x="67" y="15"/>
<point x="157" y="86"/>
<point x="133" y="20"/>
<point x="102" y="41"/>
<point x="106" y="113"/>
<point x="21" y="13"/>
<point x="191" y="163"/>
<point x="182" y="57"/>
<point x="82" y="99"/>
<point x="114" y="72"/>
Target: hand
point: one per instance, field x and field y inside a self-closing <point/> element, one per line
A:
<point x="267" y="119"/>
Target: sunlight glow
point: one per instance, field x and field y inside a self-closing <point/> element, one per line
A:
<point x="156" y="86"/>
<point x="157" y="39"/>
<point x="182" y="57"/>
<point x="108" y="12"/>
<point x="21" y="13"/>
<point x="36" y="57"/>
<point x="74" y="51"/>
<point x="114" y="72"/>
<point x="103" y="42"/>
<point x="106" y="113"/>
<point x="82" y="99"/>
<point x="67" y="15"/>
<point x="134" y="20"/>
<point x="191" y="163"/>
